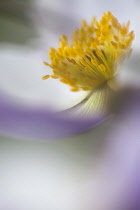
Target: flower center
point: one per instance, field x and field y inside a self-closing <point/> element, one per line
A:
<point x="94" y="55"/>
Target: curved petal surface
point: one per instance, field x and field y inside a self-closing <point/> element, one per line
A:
<point x="36" y="123"/>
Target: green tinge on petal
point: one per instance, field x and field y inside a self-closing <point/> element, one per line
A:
<point x="95" y="104"/>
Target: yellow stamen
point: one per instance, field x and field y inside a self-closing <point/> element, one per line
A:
<point x="94" y="62"/>
<point x="54" y="76"/>
<point x="45" y="77"/>
<point x="45" y="63"/>
<point x="94" y="54"/>
<point x="74" y="89"/>
<point x="83" y="62"/>
<point x="102" y="67"/>
<point x="99" y="53"/>
<point x="114" y="44"/>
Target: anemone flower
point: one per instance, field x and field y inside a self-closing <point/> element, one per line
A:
<point x="89" y="63"/>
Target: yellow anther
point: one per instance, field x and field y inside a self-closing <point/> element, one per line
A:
<point x="45" y="77"/>
<point x="63" y="44"/>
<point x="83" y="23"/>
<point x="45" y="63"/>
<point x="116" y="38"/>
<point x="87" y="69"/>
<point x="123" y="30"/>
<point x="64" y="81"/>
<point x="51" y="54"/>
<point x="74" y="89"/>
<point x="94" y="62"/>
<point x="64" y="37"/>
<point x="122" y="46"/>
<point x="83" y="62"/>
<point x="115" y="45"/>
<point x="55" y="71"/>
<point x="102" y="67"/>
<point x="73" y="61"/>
<point x="54" y="76"/>
<point x="99" y="53"/>
<point x="52" y="49"/>
<point x="85" y="88"/>
<point x="60" y="50"/>
<point x="109" y="14"/>
<point x="131" y="35"/>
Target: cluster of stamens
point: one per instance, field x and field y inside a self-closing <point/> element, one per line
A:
<point x="94" y="54"/>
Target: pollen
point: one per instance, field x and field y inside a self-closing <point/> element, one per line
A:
<point x="93" y="54"/>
